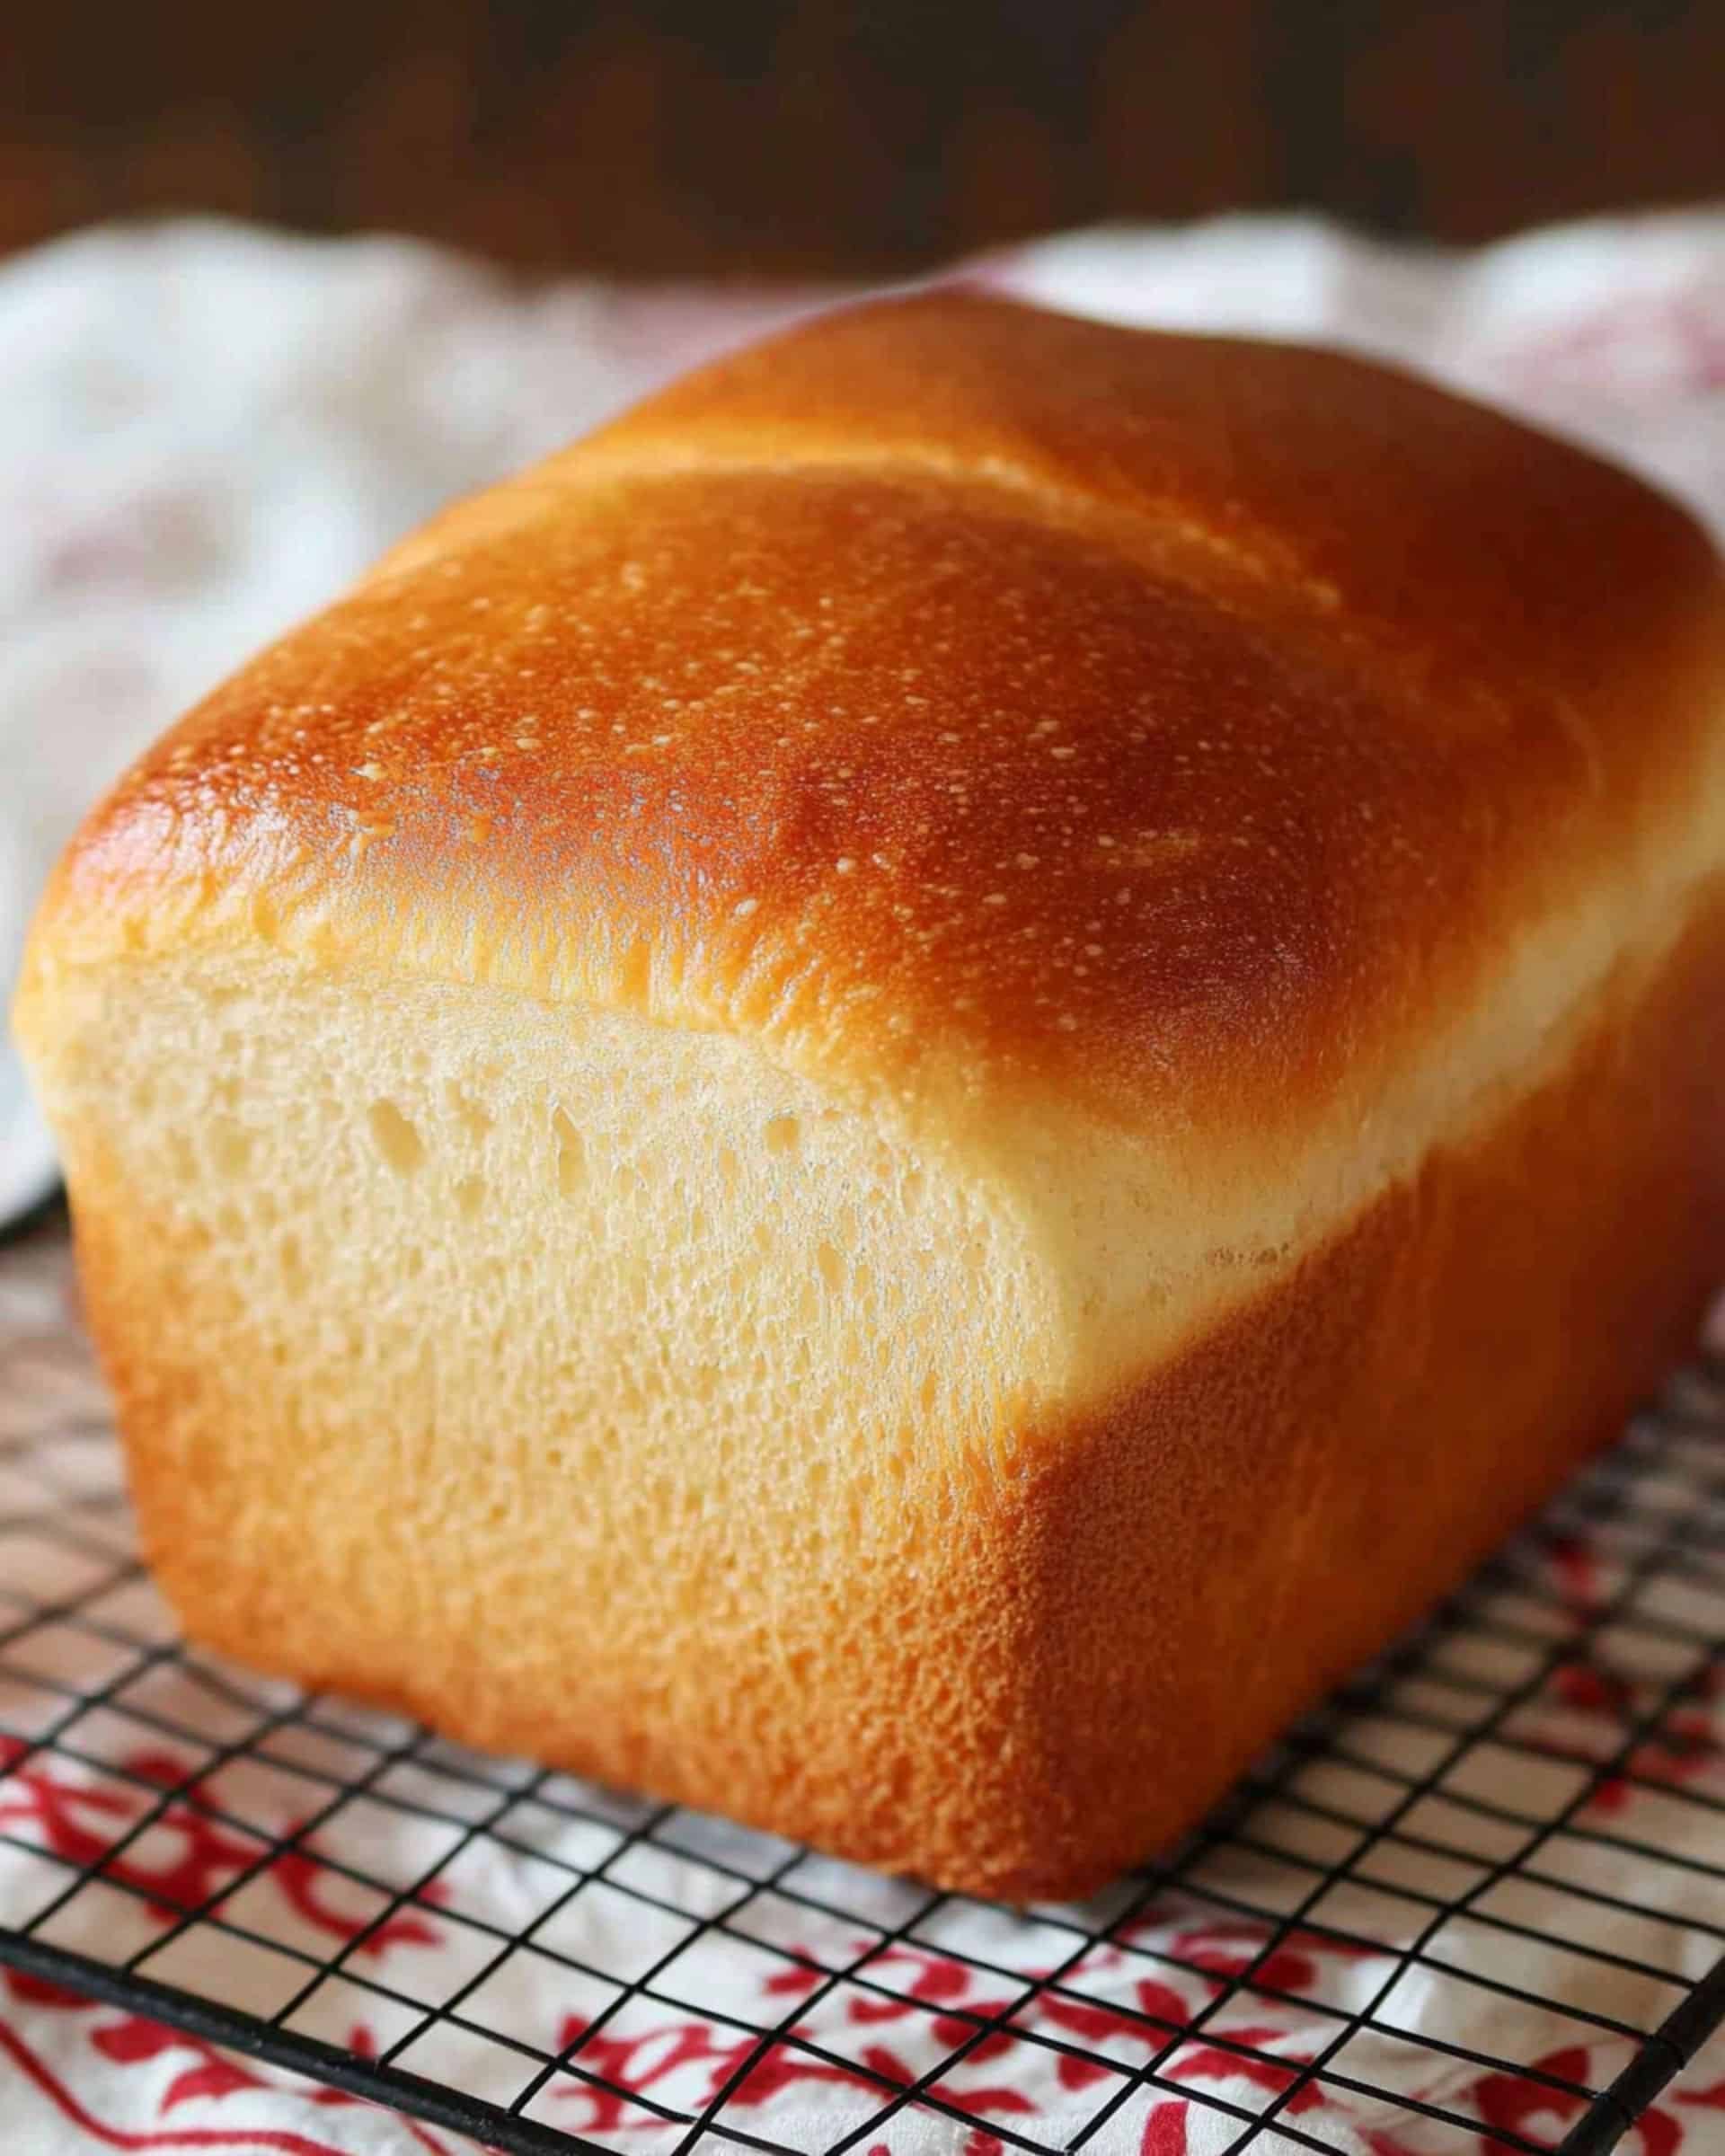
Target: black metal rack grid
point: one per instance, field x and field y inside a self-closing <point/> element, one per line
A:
<point x="1478" y="1899"/>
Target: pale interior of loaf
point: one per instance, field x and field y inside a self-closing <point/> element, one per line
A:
<point x="533" y="1367"/>
<point x="639" y="1241"/>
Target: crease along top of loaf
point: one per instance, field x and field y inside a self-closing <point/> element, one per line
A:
<point x="1157" y="532"/>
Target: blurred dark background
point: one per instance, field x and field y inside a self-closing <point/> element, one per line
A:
<point x="762" y="136"/>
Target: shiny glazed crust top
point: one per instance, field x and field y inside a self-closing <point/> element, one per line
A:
<point x="980" y="709"/>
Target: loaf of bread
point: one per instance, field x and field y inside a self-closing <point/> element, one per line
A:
<point x="892" y="1101"/>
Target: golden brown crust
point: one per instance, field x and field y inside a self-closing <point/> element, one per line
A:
<point x="964" y="698"/>
<point x="1062" y="1669"/>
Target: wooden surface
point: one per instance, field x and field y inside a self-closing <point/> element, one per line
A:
<point x="742" y="137"/>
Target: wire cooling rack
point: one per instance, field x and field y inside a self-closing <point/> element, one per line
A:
<point x="1478" y="1899"/>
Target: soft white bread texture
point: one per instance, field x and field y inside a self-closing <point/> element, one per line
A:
<point x="891" y="1101"/>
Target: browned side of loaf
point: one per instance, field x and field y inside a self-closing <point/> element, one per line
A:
<point x="1270" y="1509"/>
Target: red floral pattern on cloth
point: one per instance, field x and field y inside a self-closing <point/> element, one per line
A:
<point x="689" y="2061"/>
<point x="149" y="574"/>
<point x="199" y="2076"/>
<point x="63" y="1814"/>
<point x="119" y="2081"/>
